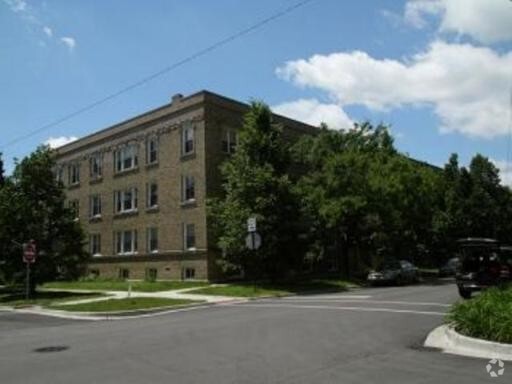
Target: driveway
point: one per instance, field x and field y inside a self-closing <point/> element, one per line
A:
<point x="363" y="336"/>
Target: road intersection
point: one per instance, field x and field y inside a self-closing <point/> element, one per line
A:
<point x="362" y="336"/>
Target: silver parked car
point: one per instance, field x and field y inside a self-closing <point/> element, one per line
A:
<point x="393" y="272"/>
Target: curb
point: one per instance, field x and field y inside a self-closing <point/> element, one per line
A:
<point x="448" y="340"/>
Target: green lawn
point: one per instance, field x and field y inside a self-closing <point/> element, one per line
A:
<point x="113" y="305"/>
<point x="275" y="289"/>
<point x="121" y="285"/>
<point x="487" y="316"/>
<point x="17" y="299"/>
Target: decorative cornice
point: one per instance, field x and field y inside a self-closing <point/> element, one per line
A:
<point x="159" y="129"/>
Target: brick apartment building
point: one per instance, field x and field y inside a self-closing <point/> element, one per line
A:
<point x="139" y="188"/>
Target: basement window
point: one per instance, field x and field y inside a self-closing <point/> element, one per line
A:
<point x="124" y="273"/>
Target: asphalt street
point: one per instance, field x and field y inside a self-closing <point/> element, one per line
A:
<point x="362" y="336"/>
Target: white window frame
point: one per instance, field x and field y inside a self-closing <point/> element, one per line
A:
<point x="95" y="242"/>
<point x="188" y="136"/>
<point x="186" y="230"/>
<point x="120" y="200"/>
<point x="119" y="239"/>
<point x="74" y="174"/>
<point x="148" y="195"/>
<point x="152" y="141"/>
<point x="92" y="206"/>
<point x="96" y="166"/>
<point x="185" y="181"/>
<point x="129" y="152"/>
<point x="152" y="235"/>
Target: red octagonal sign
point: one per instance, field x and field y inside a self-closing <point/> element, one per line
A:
<point x="29" y="252"/>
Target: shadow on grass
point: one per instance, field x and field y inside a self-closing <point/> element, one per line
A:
<point x="277" y="288"/>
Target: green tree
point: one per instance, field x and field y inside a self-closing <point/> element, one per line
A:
<point x="256" y="183"/>
<point x="32" y="207"/>
<point x="474" y="204"/>
<point x="359" y="193"/>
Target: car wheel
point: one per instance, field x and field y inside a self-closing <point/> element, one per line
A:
<point x="465" y="293"/>
<point x="399" y="280"/>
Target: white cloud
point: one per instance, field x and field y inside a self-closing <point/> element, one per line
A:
<point x="69" y="42"/>
<point x="16" y="5"/>
<point x="505" y="171"/>
<point x="311" y="111"/>
<point x="415" y="10"/>
<point x="55" y="142"/>
<point x="48" y="31"/>
<point x="487" y="21"/>
<point x="467" y="86"/>
<point x="30" y="16"/>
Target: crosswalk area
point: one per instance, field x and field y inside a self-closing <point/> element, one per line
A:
<point x="378" y="303"/>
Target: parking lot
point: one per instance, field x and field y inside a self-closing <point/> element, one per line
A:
<point x="362" y="336"/>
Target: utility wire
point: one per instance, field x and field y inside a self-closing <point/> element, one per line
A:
<point x="162" y="72"/>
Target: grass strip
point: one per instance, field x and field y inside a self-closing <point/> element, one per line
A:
<point x="126" y="304"/>
<point x="122" y="285"/>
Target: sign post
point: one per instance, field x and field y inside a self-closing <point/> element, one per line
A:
<point x="29" y="257"/>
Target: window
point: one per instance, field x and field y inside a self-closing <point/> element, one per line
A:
<point x="152" y="195"/>
<point x="151" y="274"/>
<point x="95" y="206"/>
<point x="229" y="141"/>
<point x="59" y="174"/>
<point x="94" y="273"/>
<point x="187" y="139"/>
<point x="125" y="201"/>
<point x="187" y="188"/>
<point x="189" y="237"/>
<point x="126" y="242"/>
<point x="152" y="239"/>
<point x="126" y="158"/>
<point x="152" y="150"/>
<point x="74" y="206"/>
<point x="95" y="244"/>
<point x="95" y="166"/>
<point x="124" y="273"/>
<point x="189" y="273"/>
<point x="74" y="174"/>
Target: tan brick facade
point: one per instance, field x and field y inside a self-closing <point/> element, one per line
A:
<point x="210" y="117"/>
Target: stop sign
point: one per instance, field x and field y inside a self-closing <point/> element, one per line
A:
<point x="29" y="252"/>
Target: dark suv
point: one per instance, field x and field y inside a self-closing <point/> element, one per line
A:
<point x="484" y="263"/>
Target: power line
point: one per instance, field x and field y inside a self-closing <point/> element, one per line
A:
<point x="162" y="72"/>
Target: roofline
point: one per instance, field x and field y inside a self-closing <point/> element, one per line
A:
<point x="204" y="93"/>
<point x="129" y="120"/>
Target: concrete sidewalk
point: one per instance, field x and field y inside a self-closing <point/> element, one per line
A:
<point x="172" y="294"/>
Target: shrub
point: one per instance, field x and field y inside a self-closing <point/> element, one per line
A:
<point x="488" y="316"/>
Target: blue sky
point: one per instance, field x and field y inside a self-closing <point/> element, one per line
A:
<point x="438" y="71"/>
